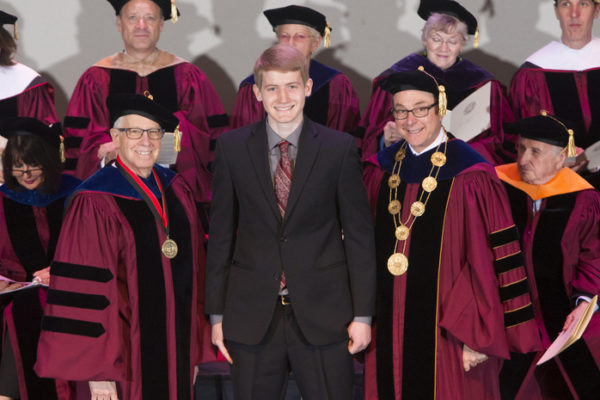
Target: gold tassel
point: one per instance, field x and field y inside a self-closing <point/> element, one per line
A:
<point x="61" y="149"/>
<point x="327" y="37"/>
<point x="442" y="101"/>
<point x="476" y="38"/>
<point x="174" y="17"/>
<point x="571" y="150"/>
<point x="177" y="140"/>
<point x="16" y="31"/>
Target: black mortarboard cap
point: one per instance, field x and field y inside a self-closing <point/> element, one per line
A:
<point x="7" y="19"/>
<point x="126" y="104"/>
<point x="544" y="128"/>
<point x="15" y="126"/>
<point x="165" y="5"/>
<point x="297" y="15"/>
<point x="409" y="80"/>
<point x="449" y="7"/>
<point x="419" y="79"/>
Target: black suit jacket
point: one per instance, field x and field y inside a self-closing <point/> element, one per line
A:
<point x="330" y="280"/>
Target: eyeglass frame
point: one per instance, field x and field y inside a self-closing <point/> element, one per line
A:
<point x="439" y="41"/>
<point x="29" y="172"/>
<point x="127" y="132"/>
<point x="393" y="111"/>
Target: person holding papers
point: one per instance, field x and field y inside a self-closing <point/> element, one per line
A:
<point x="444" y="36"/>
<point x="31" y="207"/>
<point x="446" y="247"/>
<point x="558" y="216"/>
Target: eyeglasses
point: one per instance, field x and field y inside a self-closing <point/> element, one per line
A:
<point x="418" y="112"/>
<point x="33" y="172"/>
<point x="438" y="41"/>
<point x="136" y="133"/>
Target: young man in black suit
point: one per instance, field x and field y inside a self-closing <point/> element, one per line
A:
<point x="291" y="264"/>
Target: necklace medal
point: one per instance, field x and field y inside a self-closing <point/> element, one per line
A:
<point x="169" y="246"/>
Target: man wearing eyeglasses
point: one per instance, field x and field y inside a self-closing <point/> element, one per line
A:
<point x="122" y="307"/>
<point x="141" y="67"/>
<point x="445" y="245"/>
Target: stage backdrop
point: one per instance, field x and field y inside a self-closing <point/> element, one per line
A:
<point x="61" y="38"/>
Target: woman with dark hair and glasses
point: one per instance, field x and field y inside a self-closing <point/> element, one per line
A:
<point x="444" y="36"/>
<point x="31" y="208"/>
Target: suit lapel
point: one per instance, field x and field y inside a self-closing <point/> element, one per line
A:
<point x="258" y="149"/>
<point x="308" y="148"/>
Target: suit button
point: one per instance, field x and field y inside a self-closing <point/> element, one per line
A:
<point x="276" y="276"/>
<point x="283" y="239"/>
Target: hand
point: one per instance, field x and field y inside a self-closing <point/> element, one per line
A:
<point x="390" y="134"/>
<point x="103" y="390"/>
<point x="216" y="337"/>
<point x="472" y="358"/>
<point x="571" y="317"/>
<point x="360" y="336"/>
<point x="6" y="286"/>
<point x="196" y="370"/>
<point x="42" y="276"/>
<point x="108" y="151"/>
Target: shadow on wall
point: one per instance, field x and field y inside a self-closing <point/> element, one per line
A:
<point x="510" y="33"/>
<point x="224" y="85"/>
<point x="360" y="82"/>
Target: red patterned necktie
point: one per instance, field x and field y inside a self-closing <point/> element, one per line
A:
<point x="283" y="183"/>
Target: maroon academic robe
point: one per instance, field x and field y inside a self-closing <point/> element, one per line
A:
<point x="561" y="244"/>
<point x="180" y="87"/>
<point x="572" y="95"/>
<point x="464" y="259"/>
<point x="333" y="101"/>
<point x="465" y="77"/>
<point x="36" y="100"/>
<point x="29" y="227"/>
<point x="118" y="309"/>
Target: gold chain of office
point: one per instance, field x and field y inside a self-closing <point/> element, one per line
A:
<point x="397" y="264"/>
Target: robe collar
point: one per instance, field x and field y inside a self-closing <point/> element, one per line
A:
<point x="565" y="181"/>
<point x="557" y="56"/>
<point x="109" y="180"/>
<point x="462" y="75"/>
<point x="320" y="74"/>
<point x="37" y="199"/>
<point x="459" y="157"/>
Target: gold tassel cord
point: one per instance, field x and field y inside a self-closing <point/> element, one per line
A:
<point x="61" y="149"/>
<point x="16" y="31"/>
<point x="442" y="98"/>
<point x="476" y="38"/>
<point x="177" y="140"/>
<point x="174" y="17"/>
<point x="442" y="101"/>
<point x="571" y="150"/>
<point x="327" y="36"/>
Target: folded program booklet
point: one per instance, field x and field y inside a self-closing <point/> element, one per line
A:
<point x="571" y="335"/>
